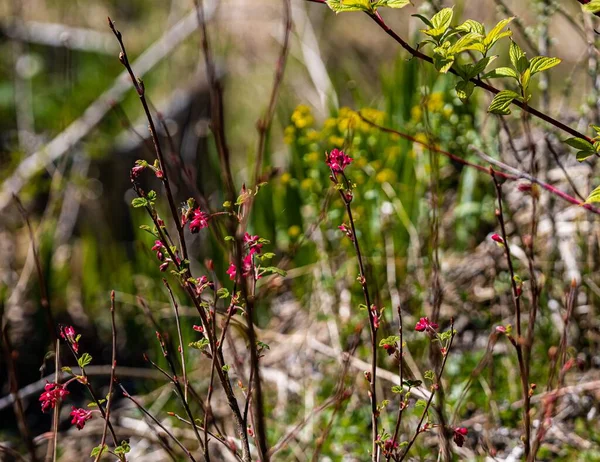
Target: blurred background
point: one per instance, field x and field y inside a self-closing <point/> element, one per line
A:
<point x="71" y="128"/>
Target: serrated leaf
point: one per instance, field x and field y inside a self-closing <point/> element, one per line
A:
<point x="501" y="72"/>
<point x="496" y="33"/>
<point x="397" y="389"/>
<point x="594" y="196"/>
<point x="501" y="102"/>
<point x="222" y="293"/>
<point x="542" y="63"/>
<point x="139" y="202"/>
<point x="342" y="6"/>
<point x="151" y="196"/>
<point x="517" y="57"/>
<point x="98" y="450"/>
<point x="84" y="360"/>
<point x="464" y="90"/>
<point x="581" y="144"/>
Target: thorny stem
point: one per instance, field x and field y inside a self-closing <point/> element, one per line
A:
<point x="517" y="304"/>
<point x="363" y="282"/>
<point x="478" y="82"/>
<point x="432" y="395"/>
<point x="112" y="377"/>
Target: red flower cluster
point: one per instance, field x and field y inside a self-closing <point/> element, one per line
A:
<point x="198" y="221"/>
<point x="53" y="392"/>
<point x="425" y="324"/>
<point x="68" y="334"/>
<point x="246" y="267"/>
<point x="158" y="247"/>
<point x="253" y="243"/>
<point x="459" y="435"/>
<point x="80" y="417"/>
<point x="338" y="160"/>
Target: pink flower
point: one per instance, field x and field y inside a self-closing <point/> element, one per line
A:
<point x="253" y="243"/>
<point x="389" y="446"/>
<point x="246" y="267"/>
<point x="346" y="230"/>
<point x="53" y="392"/>
<point x="198" y="221"/>
<point x="80" y="417"/>
<point x="68" y="334"/>
<point x="198" y="328"/>
<point x="497" y="238"/>
<point x="425" y="324"/>
<point x="501" y="329"/>
<point x="159" y="174"/>
<point x="201" y="284"/>
<point x="135" y="171"/>
<point x="158" y="249"/>
<point x="459" y="435"/>
<point x="164" y="266"/>
<point x="337" y="160"/>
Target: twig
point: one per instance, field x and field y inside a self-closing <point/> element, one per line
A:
<point x="478" y="82"/>
<point x="113" y="366"/>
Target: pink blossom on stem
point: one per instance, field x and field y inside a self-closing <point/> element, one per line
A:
<point x="159" y="174"/>
<point x="253" y="243"/>
<point x="53" y="392"/>
<point x="459" y="435"/>
<point x="346" y="230"/>
<point x="68" y="334"/>
<point x="497" y="238"/>
<point x="198" y="328"/>
<point x="338" y="160"/>
<point x="199" y="220"/>
<point x="425" y="324"/>
<point x="135" y="171"/>
<point x="80" y="417"/>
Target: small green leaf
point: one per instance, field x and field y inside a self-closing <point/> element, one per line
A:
<point x="583" y="155"/>
<point x="342" y="6"/>
<point x="592" y="7"/>
<point x="517" y="57"/>
<point x="479" y="66"/>
<point x="122" y="448"/>
<point x="501" y="102"/>
<point x="274" y="270"/>
<point x="98" y="450"/>
<point x="496" y="33"/>
<point x="581" y="144"/>
<point x="424" y="19"/>
<point x="412" y="383"/>
<point x="466" y="42"/>
<point x="542" y="63"/>
<point x="397" y="389"/>
<point x="464" y="90"/>
<point x="84" y="360"/>
<point x="151" y="196"/>
<point x="502" y="72"/>
<point x="222" y="293"/>
<point x="421" y="403"/>
<point x="200" y="344"/>
<point x="594" y="196"/>
<point x="391" y="340"/>
<point x="443" y="65"/>
<point x="139" y="202"/>
<point x="442" y="19"/>
<point x="225" y="368"/>
<point x="470" y="25"/>
<point x="66" y="369"/>
<point x="392" y="3"/>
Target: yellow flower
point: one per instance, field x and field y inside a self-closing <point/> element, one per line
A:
<point x="285" y="178"/>
<point x="289" y="134"/>
<point x="312" y="135"/>
<point x="373" y="115"/>
<point x="302" y="117"/>
<point x="422" y="137"/>
<point x="312" y="157"/>
<point x="337" y="141"/>
<point x="306" y="183"/>
<point x="294" y="231"/>
<point x="386" y="176"/>
<point x="330" y="123"/>
<point x="416" y="113"/>
<point x="360" y="162"/>
<point x="435" y="102"/>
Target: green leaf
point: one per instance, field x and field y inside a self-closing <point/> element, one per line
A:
<point x="342" y="6"/>
<point x="222" y="293"/>
<point x="274" y="270"/>
<point x="98" y="450"/>
<point x="151" y="196"/>
<point x="502" y="72"/>
<point x="594" y="196"/>
<point x="424" y="19"/>
<point x="139" y="202"/>
<point x="440" y="23"/>
<point x="429" y="375"/>
<point x="412" y="383"/>
<point x="592" y="7"/>
<point x="470" y="25"/>
<point x="442" y="64"/>
<point x="496" y="33"/>
<point x="464" y="90"/>
<point x="517" y="57"/>
<point x="397" y="389"/>
<point x="479" y="66"/>
<point x="583" y="155"/>
<point x="200" y="344"/>
<point x="123" y="448"/>
<point x="225" y="368"/>
<point x="84" y="360"/>
<point x="581" y="144"/>
<point x="466" y="42"/>
<point x="66" y="369"/>
<point x="421" y="403"/>
<point x="392" y="3"/>
<point x="542" y="63"/>
<point x="391" y="340"/>
<point x="501" y="102"/>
